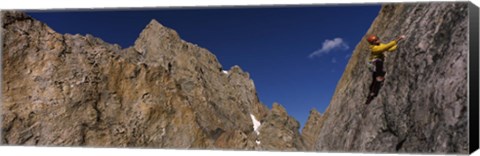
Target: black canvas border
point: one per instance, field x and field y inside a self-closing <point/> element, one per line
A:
<point x="473" y="78"/>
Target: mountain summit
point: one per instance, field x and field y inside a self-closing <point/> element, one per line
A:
<point x="73" y="90"/>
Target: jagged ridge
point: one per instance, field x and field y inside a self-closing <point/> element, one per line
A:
<point x="73" y="90"/>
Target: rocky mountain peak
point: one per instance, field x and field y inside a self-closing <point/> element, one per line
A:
<point x="279" y="109"/>
<point x="163" y="92"/>
<point x="13" y="16"/>
<point x="311" y="130"/>
<point x="279" y="131"/>
<point x="314" y="112"/>
<point x="155" y="33"/>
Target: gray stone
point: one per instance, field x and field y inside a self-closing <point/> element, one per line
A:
<point x="422" y="107"/>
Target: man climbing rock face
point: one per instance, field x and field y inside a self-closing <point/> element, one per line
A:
<point x="375" y="62"/>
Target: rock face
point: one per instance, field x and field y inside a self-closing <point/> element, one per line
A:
<point x="312" y="128"/>
<point x="73" y="90"/>
<point x="422" y="106"/>
<point x="280" y="131"/>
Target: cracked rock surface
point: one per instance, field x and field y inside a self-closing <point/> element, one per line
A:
<point x="163" y="92"/>
<point x="422" y="107"/>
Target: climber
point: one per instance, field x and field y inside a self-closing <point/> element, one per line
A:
<point x="375" y="62"/>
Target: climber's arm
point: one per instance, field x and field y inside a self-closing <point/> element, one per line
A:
<point x="384" y="47"/>
<point x="391" y="49"/>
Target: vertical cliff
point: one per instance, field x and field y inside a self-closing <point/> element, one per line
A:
<point x="163" y="92"/>
<point x="422" y="106"/>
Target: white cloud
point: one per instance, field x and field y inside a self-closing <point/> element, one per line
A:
<point x="329" y="45"/>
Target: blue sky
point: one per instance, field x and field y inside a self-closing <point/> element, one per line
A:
<point x="295" y="55"/>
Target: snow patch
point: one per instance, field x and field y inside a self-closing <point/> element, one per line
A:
<point x="258" y="142"/>
<point x="225" y="72"/>
<point x="256" y="124"/>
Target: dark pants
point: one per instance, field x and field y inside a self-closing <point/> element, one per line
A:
<point x="378" y="71"/>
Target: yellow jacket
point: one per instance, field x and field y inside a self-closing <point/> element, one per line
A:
<point x="378" y="50"/>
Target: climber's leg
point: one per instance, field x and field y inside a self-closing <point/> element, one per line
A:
<point x="380" y="74"/>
